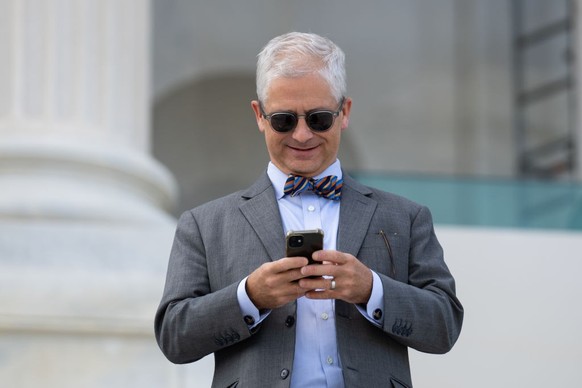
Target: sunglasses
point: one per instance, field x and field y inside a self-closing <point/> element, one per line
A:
<point x="316" y="120"/>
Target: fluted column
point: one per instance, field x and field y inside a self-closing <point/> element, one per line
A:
<point x="84" y="226"/>
<point x="74" y="111"/>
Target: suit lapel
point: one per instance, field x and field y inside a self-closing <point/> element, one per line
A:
<point x="356" y="212"/>
<point x="262" y="212"/>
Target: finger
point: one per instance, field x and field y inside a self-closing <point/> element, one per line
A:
<point x="288" y="263"/>
<point x="319" y="270"/>
<point x="291" y="276"/>
<point x="325" y="294"/>
<point x="328" y="291"/>
<point x="272" y="291"/>
<point x="319" y="283"/>
<point x="331" y="256"/>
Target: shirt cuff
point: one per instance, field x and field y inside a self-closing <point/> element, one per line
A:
<point x="373" y="311"/>
<point x="250" y="312"/>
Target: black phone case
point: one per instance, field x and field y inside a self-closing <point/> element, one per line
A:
<point x="312" y="241"/>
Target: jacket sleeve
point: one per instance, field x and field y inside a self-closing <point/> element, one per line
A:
<point x="193" y="320"/>
<point x="423" y="312"/>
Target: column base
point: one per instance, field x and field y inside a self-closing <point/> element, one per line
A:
<point x="85" y="236"/>
<point x="59" y="178"/>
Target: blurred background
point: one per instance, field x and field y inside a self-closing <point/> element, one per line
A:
<point x="116" y="116"/>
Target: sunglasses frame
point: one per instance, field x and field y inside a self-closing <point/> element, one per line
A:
<point x="305" y="116"/>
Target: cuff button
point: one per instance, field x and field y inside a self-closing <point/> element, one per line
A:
<point x="249" y="320"/>
<point x="377" y="315"/>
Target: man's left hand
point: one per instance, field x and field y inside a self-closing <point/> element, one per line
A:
<point x="351" y="278"/>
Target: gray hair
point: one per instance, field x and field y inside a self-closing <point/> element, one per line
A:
<point x="297" y="54"/>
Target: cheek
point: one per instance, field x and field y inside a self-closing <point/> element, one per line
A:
<point x="263" y="126"/>
<point x="273" y="142"/>
<point x="335" y="140"/>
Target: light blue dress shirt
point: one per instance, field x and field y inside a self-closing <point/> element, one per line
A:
<point x="316" y="362"/>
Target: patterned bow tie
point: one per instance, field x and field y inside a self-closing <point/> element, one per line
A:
<point x="329" y="187"/>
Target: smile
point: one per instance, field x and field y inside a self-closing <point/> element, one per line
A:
<point x="303" y="149"/>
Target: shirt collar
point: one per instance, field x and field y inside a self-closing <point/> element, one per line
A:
<point x="278" y="177"/>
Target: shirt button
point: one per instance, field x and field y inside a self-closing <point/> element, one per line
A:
<point x="311" y="208"/>
<point x="284" y="374"/>
<point x="290" y="321"/>
<point x="324" y="316"/>
<point x="329" y="360"/>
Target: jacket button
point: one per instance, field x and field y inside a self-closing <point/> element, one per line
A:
<point x="284" y="374"/>
<point x="290" y="321"/>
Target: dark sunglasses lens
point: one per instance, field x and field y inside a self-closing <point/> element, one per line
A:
<point x="320" y="121"/>
<point x="283" y="122"/>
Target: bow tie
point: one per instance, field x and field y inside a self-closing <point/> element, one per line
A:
<point x="329" y="187"/>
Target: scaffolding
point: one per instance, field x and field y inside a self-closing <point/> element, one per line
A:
<point x="544" y="88"/>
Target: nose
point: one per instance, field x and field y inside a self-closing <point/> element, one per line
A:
<point x="302" y="133"/>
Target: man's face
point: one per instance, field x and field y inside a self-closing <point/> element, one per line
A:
<point x="302" y="151"/>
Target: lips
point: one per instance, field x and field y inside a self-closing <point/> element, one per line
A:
<point x="303" y="149"/>
<point x="303" y="153"/>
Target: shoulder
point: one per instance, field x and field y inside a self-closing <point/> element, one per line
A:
<point x="227" y="204"/>
<point x="218" y="205"/>
<point x="389" y="206"/>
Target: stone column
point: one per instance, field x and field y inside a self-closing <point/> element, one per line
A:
<point x="84" y="225"/>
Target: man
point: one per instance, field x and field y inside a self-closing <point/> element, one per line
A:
<point x="381" y="284"/>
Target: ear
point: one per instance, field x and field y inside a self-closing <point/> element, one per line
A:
<point x="347" y="108"/>
<point x="258" y="115"/>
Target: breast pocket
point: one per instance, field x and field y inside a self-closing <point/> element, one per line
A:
<point x="386" y="253"/>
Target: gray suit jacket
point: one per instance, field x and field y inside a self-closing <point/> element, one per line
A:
<point x="219" y="243"/>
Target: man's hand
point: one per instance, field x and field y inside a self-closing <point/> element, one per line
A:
<point x="274" y="284"/>
<point x="353" y="280"/>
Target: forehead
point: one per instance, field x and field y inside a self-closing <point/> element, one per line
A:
<point x="299" y="93"/>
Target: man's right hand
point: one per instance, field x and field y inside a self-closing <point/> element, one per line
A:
<point x="274" y="284"/>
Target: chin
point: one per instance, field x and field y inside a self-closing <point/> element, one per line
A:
<point x="306" y="172"/>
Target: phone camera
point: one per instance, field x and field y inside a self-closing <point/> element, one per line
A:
<point x="296" y="241"/>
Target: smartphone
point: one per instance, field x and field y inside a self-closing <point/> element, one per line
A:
<point x="303" y="243"/>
